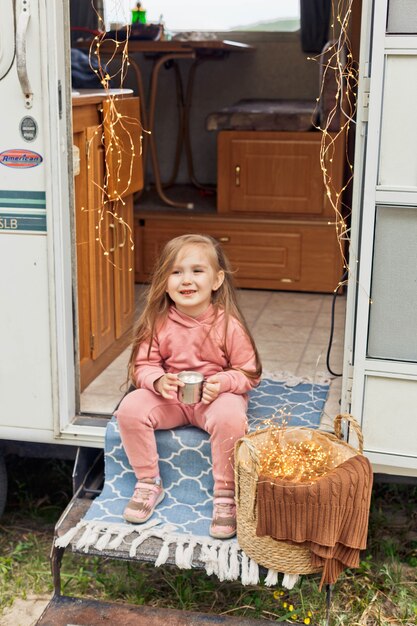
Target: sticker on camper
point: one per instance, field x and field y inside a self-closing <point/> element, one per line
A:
<point x="20" y="159"/>
<point x="28" y="128"/>
<point x="22" y="211"/>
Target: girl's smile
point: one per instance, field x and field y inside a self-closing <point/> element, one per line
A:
<point x="192" y="280"/>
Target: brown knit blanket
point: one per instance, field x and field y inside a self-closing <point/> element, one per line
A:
<point x="330" y="516"/>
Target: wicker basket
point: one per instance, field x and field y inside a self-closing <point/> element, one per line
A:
<point x="278" y="555"/>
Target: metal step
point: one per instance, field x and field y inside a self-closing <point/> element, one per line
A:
<point x="66" y="611"/>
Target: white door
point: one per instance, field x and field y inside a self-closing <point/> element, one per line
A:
<point x="380" y="373"/>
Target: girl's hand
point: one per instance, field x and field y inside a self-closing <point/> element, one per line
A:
<point x="211" y="390"/>
<point x="168" y="385"/>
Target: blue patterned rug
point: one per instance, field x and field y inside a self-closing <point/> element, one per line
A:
<point x="184" y="516"/>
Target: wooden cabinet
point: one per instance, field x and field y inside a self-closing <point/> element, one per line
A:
<point x="278" y="176"/>
<point x="266" y="254"/>
<point x="105" y="263"/>
<point x="277" y="173"/>
<point x="273" y="217"/>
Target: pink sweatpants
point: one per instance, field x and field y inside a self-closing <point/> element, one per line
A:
<point x="142" y="412"/>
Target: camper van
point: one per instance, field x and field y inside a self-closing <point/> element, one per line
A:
<point x="219" y="127"/>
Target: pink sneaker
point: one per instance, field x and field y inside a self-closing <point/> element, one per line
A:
<point x="143" y="502"/>
<point x="223" y="524"/>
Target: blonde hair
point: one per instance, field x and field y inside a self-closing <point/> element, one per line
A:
<point x="158" y="301"/>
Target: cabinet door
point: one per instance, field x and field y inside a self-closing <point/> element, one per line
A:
<point x="277" y="176"/>
<point x="124" y="288"/>
<point x="102" y="242"/>
<point x="277" y="173"/>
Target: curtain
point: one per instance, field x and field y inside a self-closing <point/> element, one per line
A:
<point x="83" y="13"/>
<point x="315" y="19"/>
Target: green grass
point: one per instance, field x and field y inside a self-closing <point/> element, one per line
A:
<point x="382" y="591"/>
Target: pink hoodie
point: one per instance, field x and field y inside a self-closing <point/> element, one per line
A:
<point x="187" y="343"/>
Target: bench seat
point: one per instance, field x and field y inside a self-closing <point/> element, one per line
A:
<point x="265" y="115"/>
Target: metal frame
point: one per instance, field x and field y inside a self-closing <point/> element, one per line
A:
<point x="88" y="479"/>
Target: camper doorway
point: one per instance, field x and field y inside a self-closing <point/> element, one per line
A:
<point x="287" y="258"/>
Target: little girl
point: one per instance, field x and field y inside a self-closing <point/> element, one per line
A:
<point x="191" y="321"/>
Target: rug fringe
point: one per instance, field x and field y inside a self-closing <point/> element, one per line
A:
<point x="163" y="553"/>
<point x="244" y="575"/>
<point x="138" y="541"/>
<point x="65" y="540"/>
<point x="290" y="580"/>
<point x="179" y="553"/>
<point x="88" y="538"/>
<point x="119" y="538"/>
<point x="271" y="578"/>
<point x="167" y="538"/>
<point x="189" y="553"/>
<point x="253" y="572"/>
<point x="234" y="567"/>
<point x="224" y="558"/>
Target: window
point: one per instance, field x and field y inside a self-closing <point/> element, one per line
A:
<point x="216" y="15"/>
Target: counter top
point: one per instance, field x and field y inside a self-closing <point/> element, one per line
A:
<point x="93" y="96"/>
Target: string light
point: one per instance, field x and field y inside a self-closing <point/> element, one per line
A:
<point x="296" y="455"/>
<point x="295" y="461"/>
<point x="341" y="65"/>
<point x="116" y="133"/>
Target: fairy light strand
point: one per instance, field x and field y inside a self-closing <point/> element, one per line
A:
<point x="344" y="70"/>
<point x="116" y="134"/>
<point x="296" y="455"/>
<point x="295" y="461"/>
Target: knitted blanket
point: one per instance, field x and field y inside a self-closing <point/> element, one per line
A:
<point x="330" y="516"/>
<point x="183" y="517"/>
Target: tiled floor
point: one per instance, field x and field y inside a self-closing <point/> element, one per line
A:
<point x="291" y="331"/>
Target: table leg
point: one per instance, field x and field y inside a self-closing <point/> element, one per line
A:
<point x="186" y="125"/>
<point x="143" y="116"/>
<point x="184" y="137"/>
<point x="180" y="134"/>
<point x="152" y="144"/>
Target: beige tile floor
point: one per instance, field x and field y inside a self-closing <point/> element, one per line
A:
<point x="291" y="331"/>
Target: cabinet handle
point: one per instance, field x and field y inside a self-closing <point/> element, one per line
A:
<point x="223" y="239"/>
<point x="237" y="175"/>
<point x="114" y="238"/>
<point x="123" y="226"/>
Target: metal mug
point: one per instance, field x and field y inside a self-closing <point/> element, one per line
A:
<point x="193" y="387"/>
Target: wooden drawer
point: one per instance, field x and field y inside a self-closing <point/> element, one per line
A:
<point x="267" y="254"/>
<point x="276" y="173"/>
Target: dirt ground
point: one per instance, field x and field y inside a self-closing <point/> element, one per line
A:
<point x="24" y="612"/>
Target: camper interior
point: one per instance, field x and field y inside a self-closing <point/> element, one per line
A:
<point x="227" y="140"/>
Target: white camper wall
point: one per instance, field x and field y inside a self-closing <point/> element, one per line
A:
<point x="25" y="363"/>
<point x="33" y="277"/>
<point x="383" y="349"/>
